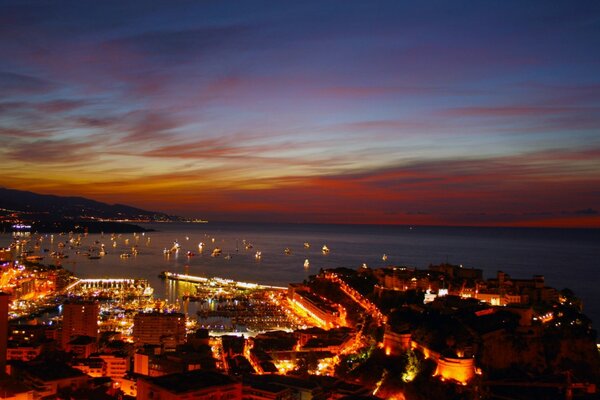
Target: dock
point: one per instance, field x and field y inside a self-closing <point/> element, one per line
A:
<point x="219" y="281"/>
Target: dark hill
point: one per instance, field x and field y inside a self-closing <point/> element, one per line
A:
<point x="73" y="207"/>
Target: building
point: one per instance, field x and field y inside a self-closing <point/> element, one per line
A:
<point x="254" y="390"/>
<point x="80" y="318"/>
<point x="303" y="389"/>
<point x="396" y="343"/>
<point x="163" y="329"/>
<point x="326" y="313"/>
<point x="197" y="385"/>
<point x="5" y="255"/>
<point x="48" y="378"/>
<point x="116" y="365"/>
<point x="23" y="352"/>
<point x="14" y="390"/>
<point x="82" y="346"/>
<point x="3" y="330"/>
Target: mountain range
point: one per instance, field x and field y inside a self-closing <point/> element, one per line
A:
<point x="57" y="213"/>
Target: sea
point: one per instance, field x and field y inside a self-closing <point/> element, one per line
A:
<point x="568" y="258"/>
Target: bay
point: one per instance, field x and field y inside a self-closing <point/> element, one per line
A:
<point x="568" y="258"/>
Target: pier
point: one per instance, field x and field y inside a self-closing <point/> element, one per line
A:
<point x="219" y="281"/>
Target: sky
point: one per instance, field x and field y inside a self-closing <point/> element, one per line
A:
<point x="391" y="112"/>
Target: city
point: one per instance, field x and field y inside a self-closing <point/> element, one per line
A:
<point x="389" y="333"/>
<point x="275" y="200"/>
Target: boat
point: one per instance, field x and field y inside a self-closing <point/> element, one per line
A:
<point x="216" y="252"/>
<point x="94" y="257"/>
<point x="125" y="255"/>
<point x="287" y="251"/>
<point x="306" y="245"/>
<point x="325" y="249"/>
<point x="190" y="254"/>
<point x="227" y="257"/>
<point x="306" y="263"/>
<point x="385" y="257"/>
<point x="258" y="255"/>
<point x="34" y="258"/>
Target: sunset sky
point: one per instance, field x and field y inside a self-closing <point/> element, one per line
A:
<point x="446" y="113"/>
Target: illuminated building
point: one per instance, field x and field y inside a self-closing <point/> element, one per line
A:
<point x="324" y="312"/>
<point x="116" y="365"/>
<point x="92" y="366"/>
<point x="164" y="329"/>
<point x="109" y="365"/>
<point x="395" y="343"/>
<point x="5" y="255"/>
<point x="459" y="369"/>
<point x="23" y="352"/>
<point x="199" y="385"/>
<point x="80" y="318"/>
<point x="3" y="331"/>
<point x="141" y="363"/>
<point x="319" y="340"/>
<point x="504" y="290"/>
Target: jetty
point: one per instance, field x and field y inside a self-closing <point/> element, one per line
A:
<point x="216" y="280"/>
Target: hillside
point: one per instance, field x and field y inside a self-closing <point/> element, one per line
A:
<point x="50" y="213"/>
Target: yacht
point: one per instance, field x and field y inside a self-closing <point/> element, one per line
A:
<point x="306" y="263"/>
<point x="258" y="255"/>
<point x="325" y="249"/>
<point x="216" y="252"/>
<point x="287" y="251"/>
<point x="306" y="245"/>
<point x="385" y="257"/>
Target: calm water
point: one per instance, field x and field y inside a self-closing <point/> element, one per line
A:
<point x="567" y="258"/>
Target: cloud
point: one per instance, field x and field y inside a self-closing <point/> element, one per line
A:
<point x="12" y="83"/>
<point x="21" y="133"/>
<point x="514" y="111"/>
<point x="61" y="105"/>
<point x="46" y="151"/>
<point x="148" y="126"/>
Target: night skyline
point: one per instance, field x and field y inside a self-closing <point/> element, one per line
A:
<point x="442" y="114"/>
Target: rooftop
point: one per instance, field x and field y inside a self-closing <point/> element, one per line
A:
<point x="266" y="386"/>
<point x="49" y="371"/>
<point x="191" y="381"/>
